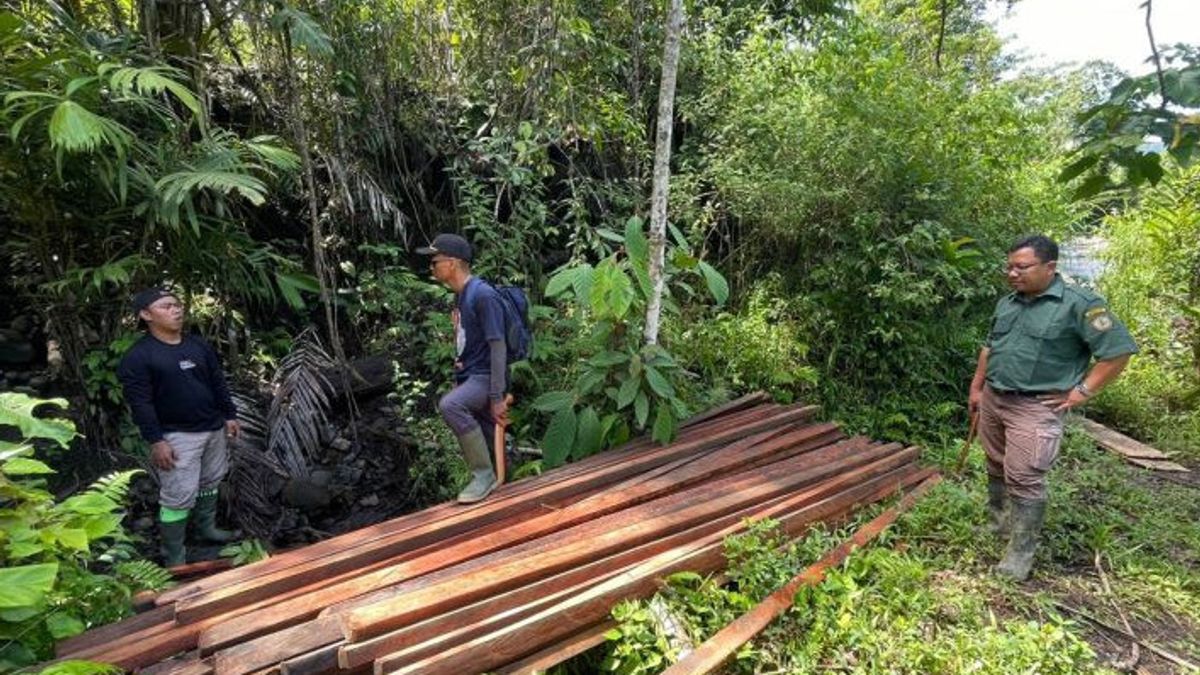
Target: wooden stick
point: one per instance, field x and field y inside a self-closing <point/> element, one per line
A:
<point x="498" y="443"/>
<point x="1134" y="653"/>
<point x="710" y="655"/>
<point x="1173" y="658"/>
<point x="966" y="448"/>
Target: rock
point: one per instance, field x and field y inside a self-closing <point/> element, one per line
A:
<point x="341" y="444"/>
<point x="305" y="494"/>
<point x="22" y="324"/>
<point x="370" y="500"/>
<point x="321" y="477"/>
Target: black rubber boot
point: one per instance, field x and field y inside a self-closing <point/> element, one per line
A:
<point x="205" y="514"/>
<point x="997" y="506"/>
<point x="174" y="552"/>
<point x="1026" y="521"/>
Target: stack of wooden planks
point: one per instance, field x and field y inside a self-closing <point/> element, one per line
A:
<point x="463" y="589"/>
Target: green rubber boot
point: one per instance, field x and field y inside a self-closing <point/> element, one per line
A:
<point x="1026" y="522"/>
<point x="483" y="478"/>
<point x="997" y="507"/>
<point x="206" y="519"/>
<point x="172" y="530"/>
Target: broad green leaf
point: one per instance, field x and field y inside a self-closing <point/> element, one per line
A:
<point x="608" y="358"/>
<point x="72" y="538"/>
<point x="24" y="549"/>
<point x="101" y="525"/>
<point x="562" y="280"/>
<point x="589" y="381"/>
<point x="717" y="285"/>
<point x="24" y="466"/>
<point x="627" y="392"/>
<point x="1078" y="167"/>
<point x="63" y="625"/>
<point x="559" y="439"/>
<point x="641" y="409"/>
<point x="611" y="294"/>
<point x="88" y="504"/>
<point x="290" y="284"/>
<point x="589" y="434"/>
<point x="664" y="424"/>
<point x="553" y="401"/>
<point x="583" y="283"/>
<point x="635" y="240"/>
<point x="21" y="613"/>
<point x="17" y="410"/>
<point x="74" y="128"/>
<point x="658" y="383"/>
<point x="152" y="81"/>
<point x="26" y="585"/>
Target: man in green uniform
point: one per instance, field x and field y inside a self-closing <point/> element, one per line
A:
<point x="1031" y="371"/>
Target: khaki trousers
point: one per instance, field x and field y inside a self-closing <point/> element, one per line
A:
<point x="1021" y="436"/>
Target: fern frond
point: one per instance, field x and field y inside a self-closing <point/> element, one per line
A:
<point x="115" y="485"/>
<point x="144" y="575"/>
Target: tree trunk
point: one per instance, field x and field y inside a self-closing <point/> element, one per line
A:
<point x="662" y="168"/>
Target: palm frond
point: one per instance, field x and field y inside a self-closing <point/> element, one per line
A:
<point x="151" y="81"/>
<point x="298" y="411"/>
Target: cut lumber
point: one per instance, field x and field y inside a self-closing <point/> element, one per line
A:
<point x="565" y="548"/>
<point x="1132" y="450"/>
<point x="713" y="652"/>
<point x="557" y="622"/>
<point x="521" y="492"/>
<point x="103" y="635"/>
<point x="467" y="547"/>
<point x="555" y="654"/>
<point x="196" y="607"/>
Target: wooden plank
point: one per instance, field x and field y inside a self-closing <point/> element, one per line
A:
<point x="1158" y="464"/>
<point x="1118" y="442"/>
<point x="557" y="622"/>
<point x="713" y="652"/>
<point x="563" y="549"/>
<point x="489" y="613"/>
<point x="592" y="636"/>
<point x="512" y="491"/>
<point x="274" y="648"/>
<point x="438" y="556"/>
<point x="103" y="635"/>
<point x="190" y="665"/>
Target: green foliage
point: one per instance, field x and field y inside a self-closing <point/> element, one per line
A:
<point x="1152" y="282"/>
<point x="1145" y="119"/>
<point x="760" y="346"/>
<point x="246" y="551"/>
<point x="619" y="380"/>
<point x="48" y="590"/>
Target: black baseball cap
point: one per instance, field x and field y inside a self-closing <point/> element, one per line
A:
<point x="145" y="298"/>
<point x="449" y="245"/>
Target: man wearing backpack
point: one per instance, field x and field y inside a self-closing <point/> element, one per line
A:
<point x="476" y="403"/>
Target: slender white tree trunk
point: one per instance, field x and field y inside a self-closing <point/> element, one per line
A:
<point x="662" y="168"/>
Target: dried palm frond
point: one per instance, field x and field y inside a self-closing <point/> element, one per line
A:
<point x="298" y="409"/>
<point x="251" y="493"/>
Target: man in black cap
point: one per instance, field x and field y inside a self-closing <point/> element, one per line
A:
<point x="177" y="393"/>
<point x="477" y="401"/>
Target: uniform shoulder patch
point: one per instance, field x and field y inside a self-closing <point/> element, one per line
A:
<point x="1101" y="320"/>
<point x="1095" y="311"/>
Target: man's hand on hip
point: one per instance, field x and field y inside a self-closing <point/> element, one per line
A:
<point x="162" y="456"/>
<point x="1065" y="401"/>
<point x="233" y="428"/>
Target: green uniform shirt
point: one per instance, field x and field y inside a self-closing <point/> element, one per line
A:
<point x="1045" y="343"/>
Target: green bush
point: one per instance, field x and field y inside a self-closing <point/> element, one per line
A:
<point x="1153" y="283"/>
<point x="64" y="566"/>
<point x="759" y="346"/>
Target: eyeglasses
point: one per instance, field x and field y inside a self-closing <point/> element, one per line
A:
<point x="1020" y="269"/>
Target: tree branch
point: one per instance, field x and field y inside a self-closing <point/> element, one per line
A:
<point x="1162" y="84"/>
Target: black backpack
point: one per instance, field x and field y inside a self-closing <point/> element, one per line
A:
<point x="518" y="333"/>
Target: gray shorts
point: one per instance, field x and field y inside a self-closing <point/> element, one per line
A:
<point x="201" y="462"/>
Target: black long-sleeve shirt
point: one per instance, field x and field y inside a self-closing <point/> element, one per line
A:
<point x="175" y="387"/>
